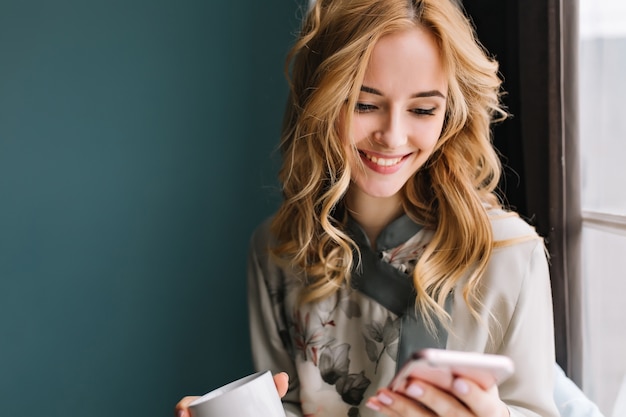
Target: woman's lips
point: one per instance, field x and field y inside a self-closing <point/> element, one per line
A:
<point x="383" y="165"/>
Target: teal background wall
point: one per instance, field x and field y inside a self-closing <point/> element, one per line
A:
<point x="136" y="157"/>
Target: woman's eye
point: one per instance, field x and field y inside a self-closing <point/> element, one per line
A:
<point x="364" y="108"/>
<point x="424" y="112"/>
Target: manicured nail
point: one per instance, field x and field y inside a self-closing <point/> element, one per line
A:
<point x="460" y="386"/>
<point x="384" y="398"/>
<point x="372" y="405"/>
<point x="414" y="391"/>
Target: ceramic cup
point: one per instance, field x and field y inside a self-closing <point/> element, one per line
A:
<point x="251" y="396"/>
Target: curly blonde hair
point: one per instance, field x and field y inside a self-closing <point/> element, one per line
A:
<point x="449" y="194"/>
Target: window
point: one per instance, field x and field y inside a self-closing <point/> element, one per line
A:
<point x="602" y="88"/>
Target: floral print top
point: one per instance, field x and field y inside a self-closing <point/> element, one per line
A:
<point x="339" y="351"/>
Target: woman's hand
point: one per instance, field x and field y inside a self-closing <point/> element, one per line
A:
<point x="182" y="408"/>
<point x="281" y="380"/>
<point x="420" y="399"/>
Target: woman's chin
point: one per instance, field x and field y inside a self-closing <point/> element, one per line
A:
<point x="378" y="191"/>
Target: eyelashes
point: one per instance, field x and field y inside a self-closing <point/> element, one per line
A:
<point x="425" y="112"/>
<point x="368" y="108"/>
<point x="364" y="108"/>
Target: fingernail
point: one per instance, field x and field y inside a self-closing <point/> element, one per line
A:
<point x="460" y="386"/>
<point x="414" y="391"/>
<point x="384" y="398"/>
<point x="372" y="405"/>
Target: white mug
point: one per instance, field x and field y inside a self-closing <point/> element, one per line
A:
<point x="251" y="396"/>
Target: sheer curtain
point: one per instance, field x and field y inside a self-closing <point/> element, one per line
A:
<point x="602" y="88"/>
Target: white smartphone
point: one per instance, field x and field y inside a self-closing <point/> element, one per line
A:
<point x="439" y="367"/>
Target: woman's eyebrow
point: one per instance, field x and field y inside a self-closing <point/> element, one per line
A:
<point x="370" y="90"/>
<point x="431" y="93"/>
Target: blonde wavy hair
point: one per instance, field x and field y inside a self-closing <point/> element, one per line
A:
<point x="449" y="194"/>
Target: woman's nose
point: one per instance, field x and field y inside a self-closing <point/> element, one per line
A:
<point x="393" y="132"/>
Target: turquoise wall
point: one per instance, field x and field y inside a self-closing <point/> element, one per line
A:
<point x="136" y="157"/>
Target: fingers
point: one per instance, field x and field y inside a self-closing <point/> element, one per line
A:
<point x="441" y="402"/>
<point x="282" y="383"/>
<point x="181" y="409"/>
<point x="420" y="399"/>
<point x="479" y="401"/>
<point x="394" y="404"/>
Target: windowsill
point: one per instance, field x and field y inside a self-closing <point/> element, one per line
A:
<point x="608" y="222"/>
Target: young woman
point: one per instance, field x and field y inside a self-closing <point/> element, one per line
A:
<point x="390" y="237"/>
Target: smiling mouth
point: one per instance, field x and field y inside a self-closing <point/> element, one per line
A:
<point x="383" y="162"/>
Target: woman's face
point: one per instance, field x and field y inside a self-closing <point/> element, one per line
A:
<point x="399" y="113"/>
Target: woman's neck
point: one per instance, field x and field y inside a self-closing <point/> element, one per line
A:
<point x="373" y="214"/>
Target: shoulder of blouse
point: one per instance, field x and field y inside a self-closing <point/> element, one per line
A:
<point x="261" y="242"/>
<point x="509" y="228"/>
<point x="262" y="236"/>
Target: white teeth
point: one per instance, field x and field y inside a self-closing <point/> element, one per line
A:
<point x="383" y="162"/>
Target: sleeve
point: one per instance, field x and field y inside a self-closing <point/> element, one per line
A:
<point x="529" y="341"/>
<point x="269" y="351"/>
<point x="570" y="400"/>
